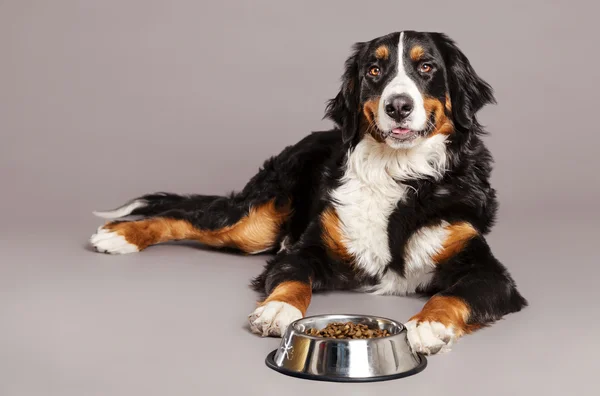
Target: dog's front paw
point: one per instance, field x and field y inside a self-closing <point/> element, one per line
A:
<point x="108" y="240"/>
<point x="430" y="337"/>
<point x="273" y="318"/>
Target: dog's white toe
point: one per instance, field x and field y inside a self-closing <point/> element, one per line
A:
<point x="106" y="241"/>
<point x="273" y="318"/>
<point x="430" y="337"/>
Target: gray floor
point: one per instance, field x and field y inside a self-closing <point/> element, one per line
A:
<point x="171" y="320"/>
<point x="103" y="101"/>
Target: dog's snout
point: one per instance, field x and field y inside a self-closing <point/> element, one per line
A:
<point x="399" y="107"/>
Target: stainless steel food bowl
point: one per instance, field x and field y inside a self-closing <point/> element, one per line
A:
<point x="345" y="360"/>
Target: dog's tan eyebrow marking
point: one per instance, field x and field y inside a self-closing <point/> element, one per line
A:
<point x="382" y="52"/>
<point x="416" y="53"/>
<point x="448" y="103"/>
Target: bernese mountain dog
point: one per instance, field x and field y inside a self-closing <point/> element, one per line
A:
<point x="395" y="199"/>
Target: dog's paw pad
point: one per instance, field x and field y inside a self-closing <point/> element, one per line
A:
<point x="273" y="318"/>
<point x="107" y="241"/>
<point x="430" y="338"/>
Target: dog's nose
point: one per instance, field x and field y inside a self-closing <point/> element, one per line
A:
<point x="399" y="107"/>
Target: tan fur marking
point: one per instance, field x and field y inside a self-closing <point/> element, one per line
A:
<point x="332" y="234"/>
<point x="449" y="311"/>
<point x="368" y="122"/>
<point x="448" y="103"/>
<point x="458" y="236"/>
<point x="253" y="233"/>
<point x="370" y="110"/>
<point x="416" y="53"/>
<point x="443" y="125"/>
<point x="144" y="233"/>
<point x="382" y="52"/>
<point x="294" y="293"/>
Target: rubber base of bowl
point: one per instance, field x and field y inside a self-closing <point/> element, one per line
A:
<point x="271" y="363"/>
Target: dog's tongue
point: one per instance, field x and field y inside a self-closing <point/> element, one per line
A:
<point x="400" y="131"/>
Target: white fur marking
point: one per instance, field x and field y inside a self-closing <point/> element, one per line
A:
<point x="122" y="211"/>
<point x="430" y="337"/>
<point x="402" y="84"/>
<point x="392" y="283"/>
<point x="273" y="318"/>
<point x="285" y="244"/>
<point x="441" y="191"/>
<point x="419" y="264"/>
<point x="261" y="250"/>
<point x="370" y="190"/>
<point x="110" y="242"/>
<point x="423" y="245"/>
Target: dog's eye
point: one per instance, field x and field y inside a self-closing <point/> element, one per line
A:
<point x="425" y="67"/>
<point x="374" y="71"/>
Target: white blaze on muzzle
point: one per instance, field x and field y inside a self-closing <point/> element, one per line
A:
<point x="402" y="84"/>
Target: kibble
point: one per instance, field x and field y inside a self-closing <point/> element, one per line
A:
<point x="347" y="330"/>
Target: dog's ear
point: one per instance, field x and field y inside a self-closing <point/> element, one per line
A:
<point x="468" y="92"/>
<point x="343" y="109"/>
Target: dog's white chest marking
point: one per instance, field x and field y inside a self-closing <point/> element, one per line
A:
<point x="370" y="190"/>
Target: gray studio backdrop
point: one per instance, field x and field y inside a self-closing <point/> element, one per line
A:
<point x="101" y="101"/>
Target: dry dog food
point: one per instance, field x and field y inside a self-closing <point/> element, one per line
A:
<point x="347" y="330"/>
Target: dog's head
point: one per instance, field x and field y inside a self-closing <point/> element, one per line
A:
<point x="406" y="87"/>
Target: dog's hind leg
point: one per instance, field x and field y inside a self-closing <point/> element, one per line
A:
<point x="251" y="227"/>
<point x="275" y="203"/>
<point x="250" y="221"/>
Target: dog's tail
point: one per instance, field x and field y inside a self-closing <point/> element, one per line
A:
<point x="152" y="205"/>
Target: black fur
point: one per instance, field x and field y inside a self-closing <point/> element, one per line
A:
<point x="305" y="172"/>
<point x="469" y="93"/>
<point x="342" y="109"/>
